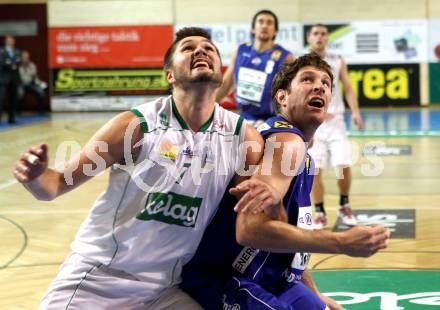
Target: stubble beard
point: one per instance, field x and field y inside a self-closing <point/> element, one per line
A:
<point x="214" y="78"/>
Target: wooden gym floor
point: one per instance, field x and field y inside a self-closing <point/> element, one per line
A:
<point x="36" y="235"/>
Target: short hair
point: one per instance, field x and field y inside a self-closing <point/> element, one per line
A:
<point x="288" y="71"/>
<point x="180" y="35"/>
<point x="254" y="20"/>
<point x="309" y="31"/>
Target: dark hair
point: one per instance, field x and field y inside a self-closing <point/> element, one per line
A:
<point x="287" y="73"/>
<point x="254" y="20"/>
<point x="180" y="35"/>
<point x="316" y="25"/>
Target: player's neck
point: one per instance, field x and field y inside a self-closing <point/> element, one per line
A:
<point x="320" y="52"/>
<point x="195" y="106"/>
<point x="262" y="46"/>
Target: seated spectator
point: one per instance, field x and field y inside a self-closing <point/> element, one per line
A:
<point x="31" y="84"/>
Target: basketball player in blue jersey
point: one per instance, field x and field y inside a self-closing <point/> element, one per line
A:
<point x="331" y="146"/>
<point x="252" y="68"/>
<point x="270" y="271"/>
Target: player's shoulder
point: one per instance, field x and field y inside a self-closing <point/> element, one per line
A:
<point x="279" y="124"/>
<point x="227" y="121"/>
<point x="154" y="113"/>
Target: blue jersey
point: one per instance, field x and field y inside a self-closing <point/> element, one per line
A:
<point x="276" y="272"/>
<point x="219" y="257"/>
<point x="253" y="75"/>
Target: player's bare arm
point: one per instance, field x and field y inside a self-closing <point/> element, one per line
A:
<point x="106" y="146"/>
<point x="261" y="231"/>
<point x="350" y="96"/>
<point x="228" y="79"/>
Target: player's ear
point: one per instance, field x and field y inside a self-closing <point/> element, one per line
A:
<point x="281" y="97"/>
<point x="169" y="74"/>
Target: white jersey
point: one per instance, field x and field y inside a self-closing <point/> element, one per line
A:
<point x="151" y="218"/>
<point x="336" y="105"/>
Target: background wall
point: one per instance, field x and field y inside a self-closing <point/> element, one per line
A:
<point x="74" y="13"/>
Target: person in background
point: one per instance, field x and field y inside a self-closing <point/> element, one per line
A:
<point x="330" y="143"/>
<point x="10" y="59"/>
<point x="30" y="82"/>
<point x="252" y="68"/>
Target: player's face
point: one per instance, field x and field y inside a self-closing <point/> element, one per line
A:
<point x="195" y="60"/>
<point x="264" y="28"/>
<point x="318" y="38"/>
<point x="310" y="93"/>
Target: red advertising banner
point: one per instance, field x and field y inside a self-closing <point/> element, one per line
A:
<point x="104" y="47"/>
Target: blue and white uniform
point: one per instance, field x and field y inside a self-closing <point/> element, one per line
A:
<point x="261" y="279"/>
<point x="253" y="75"/>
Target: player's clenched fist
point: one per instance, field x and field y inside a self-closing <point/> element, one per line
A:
<point x="31" y="164"/>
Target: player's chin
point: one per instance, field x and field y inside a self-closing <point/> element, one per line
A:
<point x="317" y="116"/>
<point x="205" y="76"/>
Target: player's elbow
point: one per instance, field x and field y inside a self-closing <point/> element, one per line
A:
<point x="43" y="196"/>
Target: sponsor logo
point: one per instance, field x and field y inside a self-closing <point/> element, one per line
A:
<point x="168" y="149"/>
<point x="389" y="300"/>
<point x="163" y="119"/>
<point x="244" y="259"/>
<point x="386" y="84"/>
<point x="217" y="125"/>
<point x="71" y="80"/>
<point x="308" y="218"/>
<point x="387" y="150"/>
<point x="401" y="222"/>
<point x="263" y="127"/>
<point x="256" y="61"/>
<point x="188" y="152"/>
<point x="276" y="55"/>
<point x="381" y="289"/>
<point x="226" y="306"/>
<point x="171" y="208"/>
<point x="282" y="124"/>
<point x="291" y="277"/>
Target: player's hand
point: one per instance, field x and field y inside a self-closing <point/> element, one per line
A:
<point x="257" y="196"/>
<point x="331" y="303"/>
<point x="364" y="241"/>
<point x="31" y="164"/>
<point x="357" y="120"/>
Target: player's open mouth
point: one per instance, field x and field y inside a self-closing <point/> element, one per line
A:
<point x="201" y="63"/>
<point x="316" y="102"/>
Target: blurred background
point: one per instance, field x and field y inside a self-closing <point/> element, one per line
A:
<point x="107" y="55"/>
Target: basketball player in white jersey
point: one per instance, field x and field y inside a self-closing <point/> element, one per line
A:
<point x="330" y="143"/>
<point x="171" y="160"/>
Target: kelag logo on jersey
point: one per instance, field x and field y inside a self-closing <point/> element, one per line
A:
<point x="171" y="208"/>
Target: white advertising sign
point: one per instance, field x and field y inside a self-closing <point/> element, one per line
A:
<point x="434" y="38"/>
<point x="228" y="36"/>
<point x="375" y="42"/>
